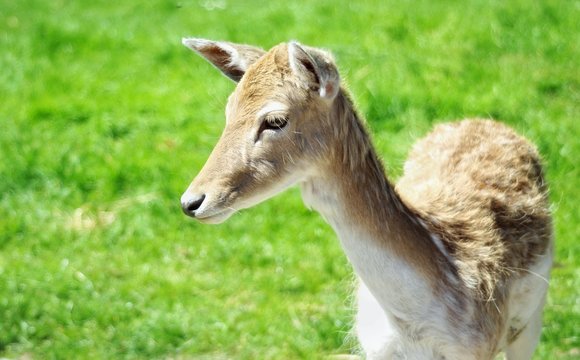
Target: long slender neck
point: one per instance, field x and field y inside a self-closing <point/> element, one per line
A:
<point x="381" y="236"/>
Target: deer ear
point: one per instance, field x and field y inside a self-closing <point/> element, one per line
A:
<point x="231" y="59"/>
<point x="316" y="67"/>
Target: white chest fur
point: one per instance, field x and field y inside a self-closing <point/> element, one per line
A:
<point x="394" y="293"/>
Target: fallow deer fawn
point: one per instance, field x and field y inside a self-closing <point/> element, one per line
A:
<point x="453" y="261"/>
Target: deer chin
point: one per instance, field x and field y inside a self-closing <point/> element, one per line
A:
<point x="217" y="216"/>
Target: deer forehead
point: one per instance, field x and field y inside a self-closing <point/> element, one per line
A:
<point x="268" y="106"/>
<point x="254" y="100"/>
<point x="267" y="86"/>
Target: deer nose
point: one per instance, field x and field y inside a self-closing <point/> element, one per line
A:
<point x="191" y="202"/>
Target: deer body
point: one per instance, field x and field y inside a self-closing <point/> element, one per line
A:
<point x="453" y="262"/>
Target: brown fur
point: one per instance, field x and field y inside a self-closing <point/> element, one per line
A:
<point x="481" y="188"/>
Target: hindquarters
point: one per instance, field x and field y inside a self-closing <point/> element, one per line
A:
<point x="480" y="187"/>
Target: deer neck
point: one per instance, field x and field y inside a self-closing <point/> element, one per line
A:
<point x="385" y="241"/>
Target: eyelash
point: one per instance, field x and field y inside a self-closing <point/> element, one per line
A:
<point x="273" y="122"/>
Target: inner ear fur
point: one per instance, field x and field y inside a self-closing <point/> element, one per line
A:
<point x="231" y="59"/>
<point x="315" y="67"/>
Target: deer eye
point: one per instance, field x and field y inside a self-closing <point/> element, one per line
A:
<point x="274" y="122"/>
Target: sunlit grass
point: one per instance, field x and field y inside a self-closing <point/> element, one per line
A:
<point x="105" y="118"/>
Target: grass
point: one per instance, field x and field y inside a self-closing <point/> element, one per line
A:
<point x="105" y="118"/>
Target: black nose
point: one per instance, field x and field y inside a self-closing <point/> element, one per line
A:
<point x="193" y="203"/>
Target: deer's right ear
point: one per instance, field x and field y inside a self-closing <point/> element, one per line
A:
<point x="231" y="59"/>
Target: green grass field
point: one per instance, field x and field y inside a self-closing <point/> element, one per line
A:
<point x="105" y="118"/>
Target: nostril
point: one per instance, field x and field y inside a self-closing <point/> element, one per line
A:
<point x="193" y="204"/>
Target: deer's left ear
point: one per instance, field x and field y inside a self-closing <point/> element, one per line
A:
<point x="315" y="67"/>
<point x="231" y="59"/>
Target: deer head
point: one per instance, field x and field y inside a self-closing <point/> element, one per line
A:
<point x="277" y="123"/>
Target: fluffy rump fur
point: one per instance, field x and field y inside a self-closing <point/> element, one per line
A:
<point x="481" y="188"/>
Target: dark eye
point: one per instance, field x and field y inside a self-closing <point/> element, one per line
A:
<point x="274" y="122"/>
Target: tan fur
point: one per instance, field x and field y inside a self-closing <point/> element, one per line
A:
<point x="474" y="186"/>
<point x="481" y="187"/>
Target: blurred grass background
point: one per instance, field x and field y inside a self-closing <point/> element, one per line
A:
<point x="105" y="118"/>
